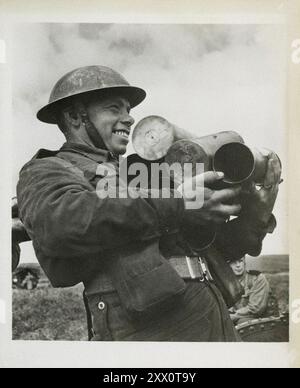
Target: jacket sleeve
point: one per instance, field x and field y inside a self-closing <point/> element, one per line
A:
<point x="258" y="298"/>
<point x="64" y="215"/>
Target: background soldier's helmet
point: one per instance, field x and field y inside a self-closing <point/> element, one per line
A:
<point x="89" y="79"/>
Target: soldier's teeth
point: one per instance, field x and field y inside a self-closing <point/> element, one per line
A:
<point x="122" y="133"/>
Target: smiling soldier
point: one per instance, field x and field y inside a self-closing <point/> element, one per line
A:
<point x="127" y="252"/>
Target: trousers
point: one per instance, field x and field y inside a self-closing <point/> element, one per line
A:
<point x="200" y="315"/>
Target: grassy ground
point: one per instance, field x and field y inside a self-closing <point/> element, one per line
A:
<point x="49" y="314"/>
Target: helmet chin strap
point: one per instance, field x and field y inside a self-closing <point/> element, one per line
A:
<point x="91" y="130"/>
<point x="93" y="134"/>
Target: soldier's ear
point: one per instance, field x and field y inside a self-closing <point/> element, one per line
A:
<point x="72" y="117"/>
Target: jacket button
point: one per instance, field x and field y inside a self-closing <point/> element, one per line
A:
<point x="101" y="305"/>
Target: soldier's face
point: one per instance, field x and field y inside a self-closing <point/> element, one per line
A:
<point x="238" y="267"/>
<point x="113" y="122"/>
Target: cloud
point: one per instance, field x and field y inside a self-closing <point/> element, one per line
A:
<point x="91" y="31"/>
<point x="130" y="47"/>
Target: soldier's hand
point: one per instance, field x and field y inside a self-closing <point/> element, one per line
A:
<point x="204" y="205"/>
<point x="259" y="203"/>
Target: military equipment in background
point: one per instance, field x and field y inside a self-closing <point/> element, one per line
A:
<point x="272" y="329"/>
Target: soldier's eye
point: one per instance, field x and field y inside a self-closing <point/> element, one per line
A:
<point x="115" y="107"/>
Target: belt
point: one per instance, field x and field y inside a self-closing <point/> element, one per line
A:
<point x="191" y="268"/>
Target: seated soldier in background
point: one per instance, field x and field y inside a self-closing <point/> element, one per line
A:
<point x="258" y="300"/>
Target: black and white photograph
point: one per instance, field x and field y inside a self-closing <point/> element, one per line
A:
<point x="149" y="185"/>
<point x="224" y="84"/>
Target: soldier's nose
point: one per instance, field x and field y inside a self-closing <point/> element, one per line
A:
<point x="127" y="120"/>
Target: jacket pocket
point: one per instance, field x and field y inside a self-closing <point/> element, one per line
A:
<point x="145" y="281"/>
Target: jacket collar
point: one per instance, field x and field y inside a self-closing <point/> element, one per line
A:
<point x="96" y="154"/>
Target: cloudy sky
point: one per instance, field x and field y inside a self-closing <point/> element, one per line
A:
<point x="204" y="78"/>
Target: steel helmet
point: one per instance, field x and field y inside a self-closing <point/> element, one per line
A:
<point x="88" y="79"/>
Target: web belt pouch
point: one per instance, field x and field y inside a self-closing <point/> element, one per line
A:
<point x="145" y="281"/>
